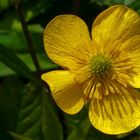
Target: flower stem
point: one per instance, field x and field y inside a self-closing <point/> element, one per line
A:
<point x="28" y="38"/>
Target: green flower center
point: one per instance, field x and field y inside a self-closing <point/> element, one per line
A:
<point x="100" y="65"/>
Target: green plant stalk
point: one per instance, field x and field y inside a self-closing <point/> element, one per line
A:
<point x="28" y="39"/>
<point x="19" y="8"/>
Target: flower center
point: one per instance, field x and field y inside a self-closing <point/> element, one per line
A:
<point x="100" y="64"/>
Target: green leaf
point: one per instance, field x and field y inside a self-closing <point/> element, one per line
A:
<point x="44" y="61"/>
<point x="36" y="8"/>
<point x="50" y="123"/>
<point x="85" y="131"/>
<point x="11" y="60"/>
<point x="15" y="40"/>
<point x="97" y="135"/>
<point x="137" y="130"/>
<point x="77" y="125"/>
<point x="80" y="131"/>
<point x="72" y="121"/>
<point x="4" y="4"/>
<point x="32" y="10"/>
<point x="124" y="135"/>
<point x="18" y="137"/>
<point x="128" y="2"/>
<point x="37" y="117"/>
<point x="4" y="70"/>
<point x="136" y="6"/>
<point x="108" y="2"/>
<point x="10" y="90"/>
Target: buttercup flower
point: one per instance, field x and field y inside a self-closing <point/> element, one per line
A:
<point x="103" y="70"/>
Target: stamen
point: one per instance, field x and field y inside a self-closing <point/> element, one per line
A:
<point x="108" y="75"/>
<point x="92" y="91"/>
<point x="100" y="65"/>
<point x="97" y="93"/>
<point x="116" y="87"/>
<point x="87" y="88"/>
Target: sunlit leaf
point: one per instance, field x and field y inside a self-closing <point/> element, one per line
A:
<point x="11" y="60"/>
<point x="128" y="2"/>
<point x="4" y="4"/>
<point x="15" y="40"/>
<point x="44" y="61"/>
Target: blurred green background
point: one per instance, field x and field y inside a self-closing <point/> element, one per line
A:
<point x="27" y="111"/>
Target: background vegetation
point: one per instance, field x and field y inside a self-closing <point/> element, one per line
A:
<point x="27" y="111"/>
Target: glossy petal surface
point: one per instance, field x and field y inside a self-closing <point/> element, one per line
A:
<point x="115" y="23"/>
<point x="132" y="49"/>
<point x="65" y="38"/>
<point x="102" y="71"/>
<point x="66" y="93"/>
<point x="116" y="114"/>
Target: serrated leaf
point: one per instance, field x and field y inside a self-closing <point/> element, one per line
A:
<point x="37" y="118"/>
<point x="11" y="60"/>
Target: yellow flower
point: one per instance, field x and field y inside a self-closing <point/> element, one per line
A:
<point x="103" y="71"/>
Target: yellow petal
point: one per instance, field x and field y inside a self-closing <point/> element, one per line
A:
<point x="83" y="74"/>
<point x="116" y="114"/>
<point x="136" y="82"/>
<point x="66" y="93"/>
<point x="132" y="50"/>
<point x="116" y="23"/>
<point x="66" y="39"/>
